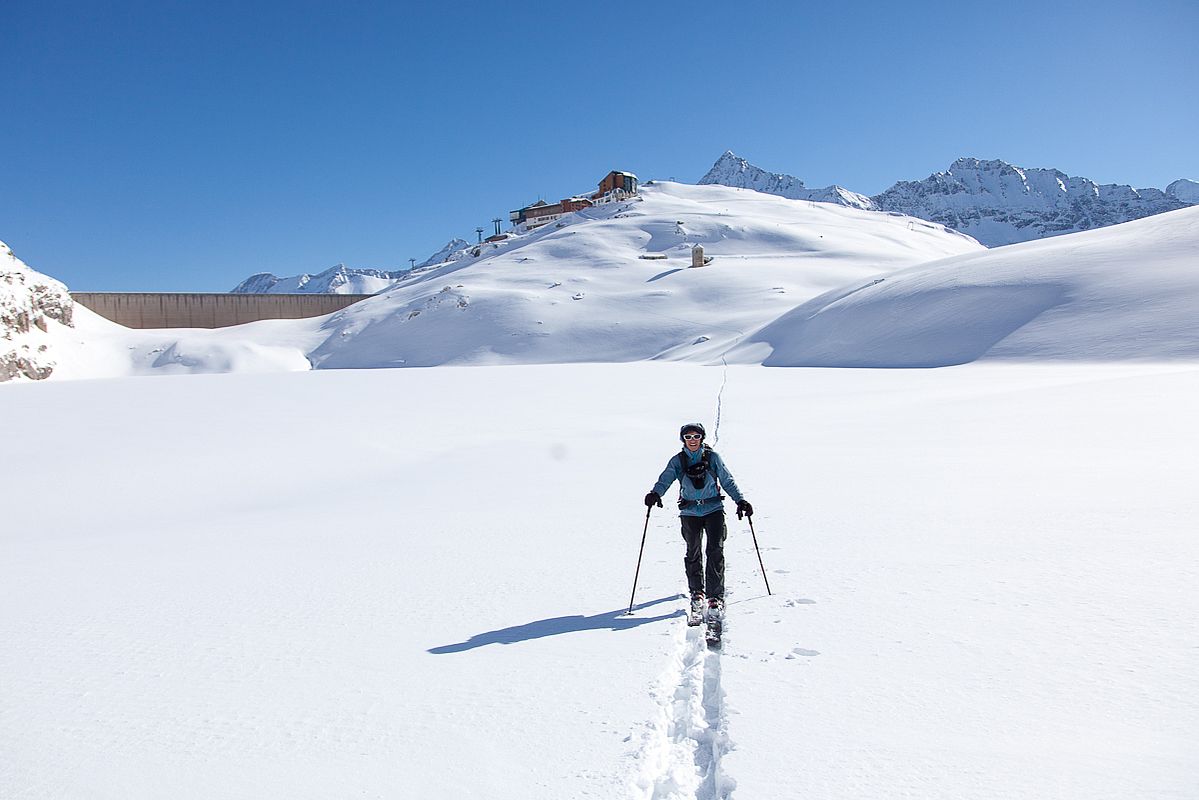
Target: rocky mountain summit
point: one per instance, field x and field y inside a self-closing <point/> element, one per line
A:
<point x="32" y="308"/>
<point x="998" y="203"/>
<point x="995" y="202"/>
<point x="732" y="170"/>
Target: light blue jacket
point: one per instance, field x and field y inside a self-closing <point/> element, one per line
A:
<point x="708" y="493"/>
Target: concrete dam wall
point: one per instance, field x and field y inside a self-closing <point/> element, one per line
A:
<point x="181" y="310"/>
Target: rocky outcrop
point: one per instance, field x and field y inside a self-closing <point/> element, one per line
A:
<point x="32" y="309"/>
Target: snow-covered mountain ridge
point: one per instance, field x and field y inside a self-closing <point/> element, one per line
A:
<point x="732" y="170"/>
<point x="998" y="203"/>
<point x="995" y="202"/>
<point x="338" y="279"/>
<point x="341" y="279"/>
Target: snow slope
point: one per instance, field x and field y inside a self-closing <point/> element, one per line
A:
<point x="1129" y="291"/>
<point x="613" y="283"/>
<point x="409" y="583"/>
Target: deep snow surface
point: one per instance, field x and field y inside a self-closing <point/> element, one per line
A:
<point x="1128" y="291"/>
<point x="409" y="583"/>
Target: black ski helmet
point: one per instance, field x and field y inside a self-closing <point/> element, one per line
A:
<point x="693" y="426"/>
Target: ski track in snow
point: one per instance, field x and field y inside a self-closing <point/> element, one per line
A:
<point x="688" y="741"/>
<point x="683" y="750"/>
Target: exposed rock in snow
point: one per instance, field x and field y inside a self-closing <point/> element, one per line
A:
<point x="732" y="170"/>
<point x="32" y="309"/>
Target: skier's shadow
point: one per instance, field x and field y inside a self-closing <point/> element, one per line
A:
<point x="618" y="620"/>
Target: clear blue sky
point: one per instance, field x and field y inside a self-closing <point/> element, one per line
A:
<point x="182" y="146"/>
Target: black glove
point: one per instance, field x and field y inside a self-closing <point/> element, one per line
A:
<point x="743" y="507"/>
<point x="653" y="499"/>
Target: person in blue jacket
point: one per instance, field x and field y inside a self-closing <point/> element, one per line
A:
<point x="701" y="473"/>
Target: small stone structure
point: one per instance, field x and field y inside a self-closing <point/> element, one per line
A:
<point x="697" y="256"/>
<point x="200" y="310"/>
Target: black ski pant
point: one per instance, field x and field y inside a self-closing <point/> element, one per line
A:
<point x="709" y="580"/>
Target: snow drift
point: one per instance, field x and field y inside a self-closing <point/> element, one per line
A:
<point x="1126" y="292"/>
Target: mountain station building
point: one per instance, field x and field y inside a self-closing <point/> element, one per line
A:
<point x="615" y="186"/>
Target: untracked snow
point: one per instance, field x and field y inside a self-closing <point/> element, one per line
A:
<point x="411" y="583"/>
<point x="1129" y="291"/>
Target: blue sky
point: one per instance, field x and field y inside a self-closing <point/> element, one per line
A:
<point x="176" y="146"/>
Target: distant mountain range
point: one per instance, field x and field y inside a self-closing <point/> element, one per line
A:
<point x="995" y="202"/>
<point x="341" y="279"/>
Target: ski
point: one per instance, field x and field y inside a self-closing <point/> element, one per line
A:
<point x="714" y="630"/>
<point x="713" y="633"/>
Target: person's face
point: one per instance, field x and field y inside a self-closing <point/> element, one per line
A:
<point x="692" y="440"/>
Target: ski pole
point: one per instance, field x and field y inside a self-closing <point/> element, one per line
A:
<point x="637" y="574"/>
<point x="759" y="552"/>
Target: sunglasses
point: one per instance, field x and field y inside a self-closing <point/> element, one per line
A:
<point x="691" y="437"/>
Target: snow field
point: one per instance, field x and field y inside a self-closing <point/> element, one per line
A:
<point x="412" y="583"/>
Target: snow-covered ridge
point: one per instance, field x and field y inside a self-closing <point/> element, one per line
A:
<point x="340" y="279"/>
<point x="33" y="308"/>
<point x="998" y="203"/>
<point x="995" y="202"/>
<point x="732" y="170"/>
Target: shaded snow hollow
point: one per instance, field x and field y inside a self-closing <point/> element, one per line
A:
<point x="1125" y="292"/>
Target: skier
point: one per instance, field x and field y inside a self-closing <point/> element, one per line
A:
<point x="700" y="473"/>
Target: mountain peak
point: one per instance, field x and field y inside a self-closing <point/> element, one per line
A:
<point x="732" y="170"/>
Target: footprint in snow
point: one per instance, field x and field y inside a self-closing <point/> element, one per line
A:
<point x="799" y="651"/>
